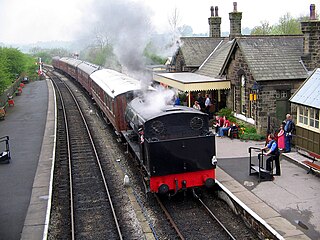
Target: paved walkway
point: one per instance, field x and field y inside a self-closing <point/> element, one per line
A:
<point x="293" y="197"/>
<point x="25" y="125"/>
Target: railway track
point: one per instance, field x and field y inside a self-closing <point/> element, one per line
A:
<point x="184" y="214"/>
<point x="83" y="201"/>
<point x="191" y="217"/>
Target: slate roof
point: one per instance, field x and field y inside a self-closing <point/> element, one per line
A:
<point x="196" y="49"/>
<point x="214" y="63"/>
<point x="309" y="92"/>
<point x="273" y="57"/>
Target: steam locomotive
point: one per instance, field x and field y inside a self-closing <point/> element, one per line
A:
<point x="173" y="144"/>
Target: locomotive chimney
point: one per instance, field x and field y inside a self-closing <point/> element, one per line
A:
<point x="214" y="23"/>
<point x="235" y="22"/>
<point x="311" y="45"/>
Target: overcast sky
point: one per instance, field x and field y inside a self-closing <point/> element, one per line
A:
<point x="29" y="21"/>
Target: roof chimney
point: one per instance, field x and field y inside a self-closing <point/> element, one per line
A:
<point x="312" y="12"/>
<point x="235" y="7"/>
<point x="212" y="11"/>
<point x="311" y="45"/>
<point x="214" y="23"/>
<point x="216" y="11"/>
<point x="235" y="22"/>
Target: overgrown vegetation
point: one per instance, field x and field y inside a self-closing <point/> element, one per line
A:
<point x="13" y="63"/>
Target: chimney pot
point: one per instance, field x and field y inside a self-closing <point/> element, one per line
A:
<point x="216" y="11"/>
<point x="235" y="6"/>
<point x="212" y="11"/>
<point x="312" y="12"/>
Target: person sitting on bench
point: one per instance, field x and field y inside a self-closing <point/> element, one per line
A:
<point x="274" y="154"/>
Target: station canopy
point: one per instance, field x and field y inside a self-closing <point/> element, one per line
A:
<point x="189" y="82"/>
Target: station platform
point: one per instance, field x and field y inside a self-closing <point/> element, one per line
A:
<point x="289" y="204"/>
<point x="25" y="181"/>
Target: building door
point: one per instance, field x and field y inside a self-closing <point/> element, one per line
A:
<point x="282" y="105"/>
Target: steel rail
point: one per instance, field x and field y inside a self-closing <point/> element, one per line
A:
<point x="69" y="162"/>
<point x="97" y="161"/>
<point x="213" y="216"/>
<point x="169" y="217"/>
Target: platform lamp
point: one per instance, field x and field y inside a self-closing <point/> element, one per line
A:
<point x="256" y="87"/>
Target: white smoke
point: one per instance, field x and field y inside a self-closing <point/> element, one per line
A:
<point x="124" y="24"/>
<point x="159" y="99"/>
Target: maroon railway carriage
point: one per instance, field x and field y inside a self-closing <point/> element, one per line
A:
<point x="112" y="91"/>
<point x="85" y="69"/>
<point x="56" y="63"/>
<point x="72" y="65"/>
<point x="67" y="65"/>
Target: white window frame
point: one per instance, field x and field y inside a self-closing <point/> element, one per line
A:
<point x="308" y="118"/>
<point x="243" y="94"/>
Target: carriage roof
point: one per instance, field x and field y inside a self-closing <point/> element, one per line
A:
<point x="115" y="83"/>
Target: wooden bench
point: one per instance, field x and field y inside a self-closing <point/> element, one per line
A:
<point x="312" y="165"/>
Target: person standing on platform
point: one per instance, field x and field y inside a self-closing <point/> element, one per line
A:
<point x="288" y="130"/>
<point x="201" y="102"/>
<point x="207" y="103"/>
<point x="281" y="138"/>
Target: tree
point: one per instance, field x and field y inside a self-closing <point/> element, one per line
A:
<point x="287" y="25"/>
<point x="12" y="64"/>
<point x="186" y="31"/>
<point x="149" y="53"/>
<point x="264" y="29"/>
<point x="174" y="20"/>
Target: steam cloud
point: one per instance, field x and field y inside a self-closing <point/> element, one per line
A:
<point x="156" y="100"/>
<point x="126" y="25"/>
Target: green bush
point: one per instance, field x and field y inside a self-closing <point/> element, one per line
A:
<point x="246" y="131"/>
<point x="252" y="136"/>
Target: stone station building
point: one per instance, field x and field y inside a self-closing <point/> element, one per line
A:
<point x="262" y="72"/>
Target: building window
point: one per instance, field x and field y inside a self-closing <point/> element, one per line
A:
<point x="308" y="116"/>
<point x="314" y="118"/>
<point x="243" y="94"/>
<point x="234" y="99"/>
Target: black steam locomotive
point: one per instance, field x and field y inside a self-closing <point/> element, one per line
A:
<point x="172" y="143"/>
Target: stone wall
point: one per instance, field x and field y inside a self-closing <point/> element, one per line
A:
<point x="264" y="109"/>
<point x="311" y="31"/>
